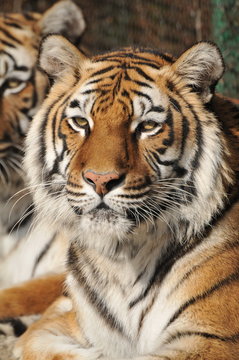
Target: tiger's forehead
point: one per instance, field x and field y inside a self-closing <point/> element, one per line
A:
<point x="18" y="31"/>
<point x="17" y="27"/>
<point x="18" y="45"/>
<point x="111" y="91"/>
<point x="19" y="21"/>
<point x="142" y="62"/>
<point x="121" y="84"/>
<point x="135" y="56"/>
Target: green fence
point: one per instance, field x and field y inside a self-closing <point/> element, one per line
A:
<point x="225" y="20"/>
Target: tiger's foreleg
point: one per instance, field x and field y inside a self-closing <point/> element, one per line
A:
<point x="56" y="336"/>
<point x="31" y="297"/>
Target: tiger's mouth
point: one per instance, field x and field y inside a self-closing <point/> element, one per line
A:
<point x="105" y="213"/>
<point x="103" y="206"/>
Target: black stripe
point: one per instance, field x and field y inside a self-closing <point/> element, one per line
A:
<point x="126" y="55"/>
<point x="126" y="94"/>
<point x="8" y="54"/>
<point x="169" y="121"/>
<point x="134" y="196"/>
<point x="142" y="73"/>
<point x="13" y="24"/>
<point x="107" y="58"/>
<point x="42" y="152"/>
<point x="4" y="42"/>
<point x="29" y="16"/>
<point x="199" y="265"/>
<point x="32" y="81"/>
<point x="139" y="93"/>
<point x="43" y="253"/>
<point x="70" y="192"/>
<point x="76" y="268"/>
<point x="75" y="103"/>
<point x="44" y="124"/>
<point x="175" y="104"/>
<point x="140" y="83"/>
<point x="18" y="326"/>
<point x="74" y="185"/>
<point x="95" y="81"/>
<point x="185" y="132"/>
<point x="138" y="187"/>
<point x="198" y="138"/>
<point x="10" y="36"/>
<point x="102" y="101"/>
<point x="233" y="338"/>
<point x="77" y="210"/>
<point x="162" y="267"/>
<point x="161" y="151"/>
<point x="170" y="85"/>
<point x="64" y="104"/>
<point x="158" y="109"/>
<point x="103" y="71"/>
<point x="18" y="224"/>
<point x="90" y="91"/>
<point x="151" y="163"/>
<point x="145" y="312"/>
<point x="122" y="102"/>
<point x="157" y="53"/>
<point x="164" y="264"/>
<point x="146" y="64"/>
<point x="199" y="134"/>
<point x="232" y="277"/>
<point x="165" y="162"/>
<point x="22" y="68"/>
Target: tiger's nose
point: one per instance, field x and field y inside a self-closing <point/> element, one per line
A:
<point x="102" y="182"/>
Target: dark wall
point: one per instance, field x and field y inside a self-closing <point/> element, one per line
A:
<point x="170" y="25"/>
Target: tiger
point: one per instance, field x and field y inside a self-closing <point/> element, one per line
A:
<point x="140" y="158"/>
<point x="23" y="88"/>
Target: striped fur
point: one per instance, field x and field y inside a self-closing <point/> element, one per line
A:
<point x="23" y="88"/>
<point x="141" y="163"/>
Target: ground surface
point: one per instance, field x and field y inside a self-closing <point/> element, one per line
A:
<point x="6" y="346"/>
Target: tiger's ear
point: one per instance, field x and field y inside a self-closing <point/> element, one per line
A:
<point x="201" y="66"/>
<point x="58" y="56"/>
<point x="63" y="18"/>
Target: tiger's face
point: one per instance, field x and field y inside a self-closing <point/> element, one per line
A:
<point x="22" y="88"/>
<point x="126" y="144"/>
<point x="22" y="85"/>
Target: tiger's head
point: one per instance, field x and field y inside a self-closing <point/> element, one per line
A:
<point x="126" y="144"/>
<point x="22" y="85"/>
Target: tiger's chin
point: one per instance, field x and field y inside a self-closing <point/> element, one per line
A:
<point x="104" y="230"/>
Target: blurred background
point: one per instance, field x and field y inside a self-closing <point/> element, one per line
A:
<point x="168" y="25"/>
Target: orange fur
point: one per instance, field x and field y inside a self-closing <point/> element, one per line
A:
<point x="32" y="297"/>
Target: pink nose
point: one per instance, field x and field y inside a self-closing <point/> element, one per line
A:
<point x="102" y="183"/>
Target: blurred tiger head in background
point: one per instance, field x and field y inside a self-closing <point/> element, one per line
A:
<point x="22" y="85"/>
<point x="22" y="89"/>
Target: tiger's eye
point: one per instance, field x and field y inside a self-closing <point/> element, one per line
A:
<point x="149" y="125"/>
<point x="79" y="121"/>
<point x="13" y="83"/>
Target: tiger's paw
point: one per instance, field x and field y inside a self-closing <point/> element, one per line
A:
<point x="16" y="326"/>
<point x="59" y="351"/>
